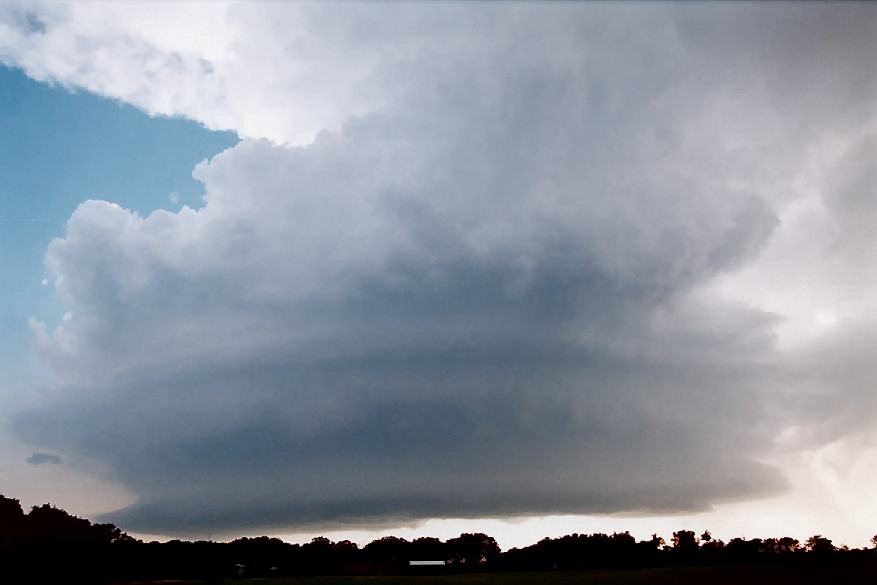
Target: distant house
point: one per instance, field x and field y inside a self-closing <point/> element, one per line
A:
<point x="427" y="567"/>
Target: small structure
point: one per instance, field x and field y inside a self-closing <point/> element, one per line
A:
<point x="427" y="567"/>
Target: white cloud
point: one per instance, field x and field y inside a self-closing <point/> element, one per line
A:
<point x="245" y="67"/>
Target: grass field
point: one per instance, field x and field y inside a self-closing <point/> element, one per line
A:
<point x="848" y="573"/>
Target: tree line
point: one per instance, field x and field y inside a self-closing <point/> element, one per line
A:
<point x="48" y="544"/>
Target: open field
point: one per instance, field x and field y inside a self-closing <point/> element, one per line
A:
<point x="858" y="573"/>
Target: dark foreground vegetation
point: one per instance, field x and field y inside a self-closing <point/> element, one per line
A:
<point x="48" y="545"/>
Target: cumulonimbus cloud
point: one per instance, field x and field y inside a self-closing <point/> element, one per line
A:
<point x="482" y="294"/>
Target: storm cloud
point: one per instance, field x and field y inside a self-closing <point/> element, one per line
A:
<point x="489" y="291"/>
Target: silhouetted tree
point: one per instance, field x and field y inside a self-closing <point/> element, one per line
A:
<point x="819" y="544"/>
<point x="684" y="542"/>
<point x="742" y="550"/>
<point x="470" y="550"/>
<point x="427" y="548"/>
<point x="656" y="541"/>
<point x="712" y="551"/>
<point x="388" y="554"/>
<point x="782" y="545"/>
<point x="48" y="545"/>
<point x="11" y="521"/>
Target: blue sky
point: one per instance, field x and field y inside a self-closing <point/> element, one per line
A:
<point x="60" y="147"/>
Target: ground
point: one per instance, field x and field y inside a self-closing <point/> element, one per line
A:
<point x="858" y="573"/>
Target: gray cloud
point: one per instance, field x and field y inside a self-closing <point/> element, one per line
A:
<point x="482" y="297"/>
<point x="37" y="458"/>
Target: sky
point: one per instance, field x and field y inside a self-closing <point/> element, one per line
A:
<point x="360" y="269"/>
